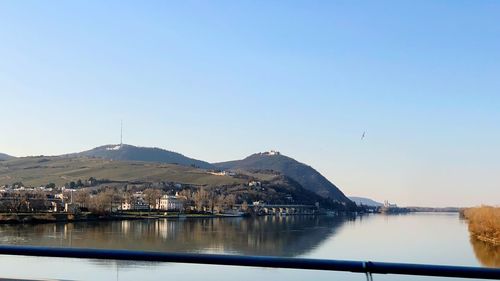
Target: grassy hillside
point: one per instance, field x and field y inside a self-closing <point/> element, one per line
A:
<point x="127" y="152"/>
<point x="274" y="188"/>
<point x="36" y="171"/>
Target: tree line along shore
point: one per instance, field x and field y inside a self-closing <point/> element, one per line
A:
<point x="102" y="199"/>
<point x="484" y="223"/>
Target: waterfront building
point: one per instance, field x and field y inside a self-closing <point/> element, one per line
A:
<point x="170" y="203"/>
<point x="137" y="203"/>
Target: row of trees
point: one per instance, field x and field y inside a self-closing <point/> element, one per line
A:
<point x="111" y="199"/>
<point x="208" y="200"/>
<point x="24" y="201"/>
<point x="81" y="183"/>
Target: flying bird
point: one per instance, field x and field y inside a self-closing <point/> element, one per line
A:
<point x="363" y="136"/>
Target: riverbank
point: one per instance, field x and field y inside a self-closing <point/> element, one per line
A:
<point x="33" y="218"/>
<point x="484" y="223"/>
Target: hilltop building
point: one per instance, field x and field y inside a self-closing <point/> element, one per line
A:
<point x="272" y="153"/>
<point x="223" y="173"/>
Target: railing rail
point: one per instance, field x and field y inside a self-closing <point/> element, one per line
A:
<point x="367" y="267"/>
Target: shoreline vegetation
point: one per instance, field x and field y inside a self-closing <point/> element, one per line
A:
<point x="484" y="223"/>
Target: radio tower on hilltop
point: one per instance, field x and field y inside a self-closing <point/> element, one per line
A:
<point x="121" y="133"/>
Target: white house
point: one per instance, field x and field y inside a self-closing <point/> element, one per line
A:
<point x="168" y="202"/>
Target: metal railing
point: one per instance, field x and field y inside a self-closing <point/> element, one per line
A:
<point x="366" y="267"/>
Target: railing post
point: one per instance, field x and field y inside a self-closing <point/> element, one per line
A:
<point x="368" y="273"/>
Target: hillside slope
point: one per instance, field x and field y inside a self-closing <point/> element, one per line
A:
<point x="4" y="156"/>
<point x="38" y="171"/>
<point x="305" y="175"/>
<point x="365" y="201"/>
<point x="127" y="152"/>
<point x="42" y="170"/>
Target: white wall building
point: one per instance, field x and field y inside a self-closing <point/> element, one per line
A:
<point x="168" y="202"/>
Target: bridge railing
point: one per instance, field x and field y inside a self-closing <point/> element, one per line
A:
<point x="365" y="267"/>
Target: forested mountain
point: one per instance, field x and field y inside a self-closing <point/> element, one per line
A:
<point x="305" y="175"/>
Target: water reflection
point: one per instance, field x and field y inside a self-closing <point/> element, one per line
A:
<point x="486" y="254"/>
<point x="411" y="238"/>
<point x="275" y="236"/>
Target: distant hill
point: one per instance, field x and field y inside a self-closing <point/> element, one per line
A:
<point x="41" y="170"/>
<point x="305" y="175"/>
<point x="127" y="152"/>
<point x="4" y="156"/>
<point x="365" y="201"/>
<point x="130" y="163"/>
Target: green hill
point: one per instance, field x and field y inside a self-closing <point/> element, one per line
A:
<point x="37" y="171"/>
<point x="127" y="152"/>
<point x="284" y="176"/>
<point x="305" y="175"/>
<point x="40" y="171"/>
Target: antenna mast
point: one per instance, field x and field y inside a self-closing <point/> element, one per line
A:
<point x="121" y="133"/>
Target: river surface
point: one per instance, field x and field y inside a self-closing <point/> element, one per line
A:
<point x="433" y="238"/>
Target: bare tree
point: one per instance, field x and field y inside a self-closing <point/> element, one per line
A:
<point x="82" y="197"/>
<point x="152" y="196"/>
<point x="201" y="199"/>
<point x="186" y="193"/>
<point x="230" y="200"/>
<point x="219" y="203"/>
<point x="224" y="202"/>
<point x="19" y="201"/>
<point x="38" y="200"/>
<point x="102" y="202"/>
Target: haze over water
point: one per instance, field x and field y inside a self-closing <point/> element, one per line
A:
<point x="432" y="238"/>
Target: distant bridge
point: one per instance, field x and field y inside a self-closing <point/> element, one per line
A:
<point x="275" y="209"/>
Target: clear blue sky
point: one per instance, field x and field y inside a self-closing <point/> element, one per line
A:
<point x="219" y="80"/>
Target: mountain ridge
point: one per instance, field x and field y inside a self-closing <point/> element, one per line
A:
<point x="126" y="152"/>
<point x="4" y="156"/>
<point x="304" y="174"/>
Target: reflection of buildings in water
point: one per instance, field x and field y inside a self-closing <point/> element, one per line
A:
<point x="167" y="229"/>
<point x="125" y="226"/>
<point x="268" y="235"/>
<point x="487" y="254"/>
